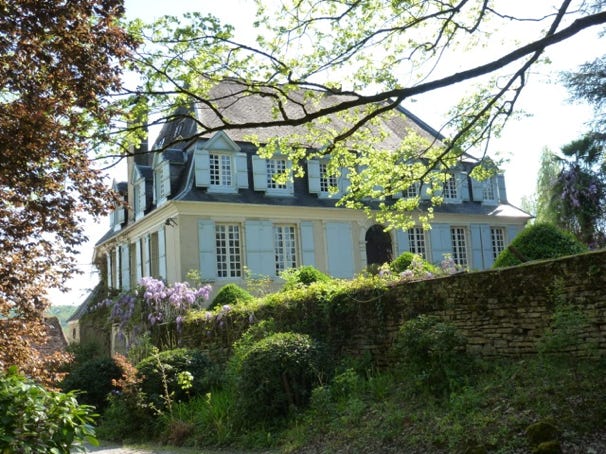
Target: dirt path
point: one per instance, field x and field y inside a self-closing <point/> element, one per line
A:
<point x="107" y="448"/>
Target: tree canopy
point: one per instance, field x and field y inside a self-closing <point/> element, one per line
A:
<point x="375" y="55"/>
<point x="571" y="190"/>
<point x="59" y="60"/>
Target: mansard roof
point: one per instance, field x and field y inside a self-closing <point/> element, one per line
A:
<point x="239" y="106"/>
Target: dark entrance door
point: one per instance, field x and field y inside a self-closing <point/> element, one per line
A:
<point x="378" y="245"/>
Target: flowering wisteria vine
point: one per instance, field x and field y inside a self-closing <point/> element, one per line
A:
<point x="154" y="302"/>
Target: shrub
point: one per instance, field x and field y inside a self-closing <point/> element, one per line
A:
<point x="536" y="242"/>
<point x="432" y="352"/>
<point x="34" y="419"/>
<point x="230" y="294"/>
<point x="277" y="374"/>
<point x="166" y="368"/>
<point x="95" y="379"/>
<point x="408" y="260"/>
<point x="302" y="277"/>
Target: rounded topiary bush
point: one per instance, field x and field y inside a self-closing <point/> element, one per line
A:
<point x="407" y="259"/>
<point x="536" y="242"/>
<point x="94" y="379"/>
<point x="230" y="294"/>
<point x="277" y="374"/>
<point x="303" y="276"/>
<point x="166" y="366"/>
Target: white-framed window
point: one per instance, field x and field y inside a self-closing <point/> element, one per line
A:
<point x="411" y="191"/>
<point x="275" y="167"/>
<point x="229" y="250"/>
<point x="416" y="241"/>
<point x="497" y="240"/>
<point x="327" y="180"/>
<point x="220" y="170"/>
<point x="458" y="236"/>
<point x="489" y="191"/>
<point x="450" y="189"/>
<point x="285" y="247"/>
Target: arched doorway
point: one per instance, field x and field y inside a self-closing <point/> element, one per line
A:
<point x="378" y="246"/>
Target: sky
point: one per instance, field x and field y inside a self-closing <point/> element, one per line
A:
<point x="551" y="119"/>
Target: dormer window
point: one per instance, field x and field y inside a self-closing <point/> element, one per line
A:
<point x="489" y="192"/>
<point x="179" y="129"/>
<point x="327" y="180"/>
<point x="275" y="169"/>
<point x="161" y="179"/>
<point x="324" y="181"/>
<point x="220" y="170"/>
<point x="139" y="199"/>
<point x="412" y="191"/>
<point x="265" y="172"/>
<point x="219" y="165"/>
<point x="449" y="190"/>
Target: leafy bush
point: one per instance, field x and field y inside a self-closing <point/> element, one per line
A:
<point x="166" y="367"/>
<point x="230" y="294"/>
<point x="35" y="420"/>
<point x="402" y="262"/>
<point x="127" y="403"/>
<point x="277" y="374"/>
<point x="432" y="353"/>
<point x="408" y="260"/>
<point x="539" y="241"/>
<point x="302" y="277"/>
<point x="95" y="378"/>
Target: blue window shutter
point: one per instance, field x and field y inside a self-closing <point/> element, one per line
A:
<point x="207" y="244"/>
<point x="162" y="253"/>
<point x="260" y="256"/>
<point x="202" y="168"/>
<point x="424" y="191"/>
<point x="486" y="245"/>
<point x="307" y="244"/>
<point x="110" y="270"/>
<point x="462" y="186"/>
<point x="147" y="260"/>
<point x="476" y="232"/>
<point x="138" y="261"/>
<point x="402" y="240"/>
<point x="501" y="188"/>
<point x="125" y="266"/>
<point x="477" y="189"/>
<point x="339" y="246"/>
<point x="259" y="173"/>
<point x="241" y="170"/>
<point x="440" y="241"/>
<point x="313" y="175"/>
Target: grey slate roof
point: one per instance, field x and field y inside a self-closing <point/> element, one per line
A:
<point x="237" y="105"/>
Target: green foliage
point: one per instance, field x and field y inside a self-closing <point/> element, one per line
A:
<point x="35" y="420"/>
<point x="408" y="260"/>
<point x="276" y="375"/>
<point x="432" y="353"/>
<point x="302" y="277"/>
<point x="569" y="325"/>
<point x="95" y="379"/>
<point x="536" y="242"/>
<point x="230" y="295"/>
<point x="166" y="367"/>
<point x="209" y="417"/>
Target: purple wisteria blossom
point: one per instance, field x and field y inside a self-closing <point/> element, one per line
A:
<point x="155" y="303"/>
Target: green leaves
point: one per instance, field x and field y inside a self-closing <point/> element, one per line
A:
<point x="37" y="420"/>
